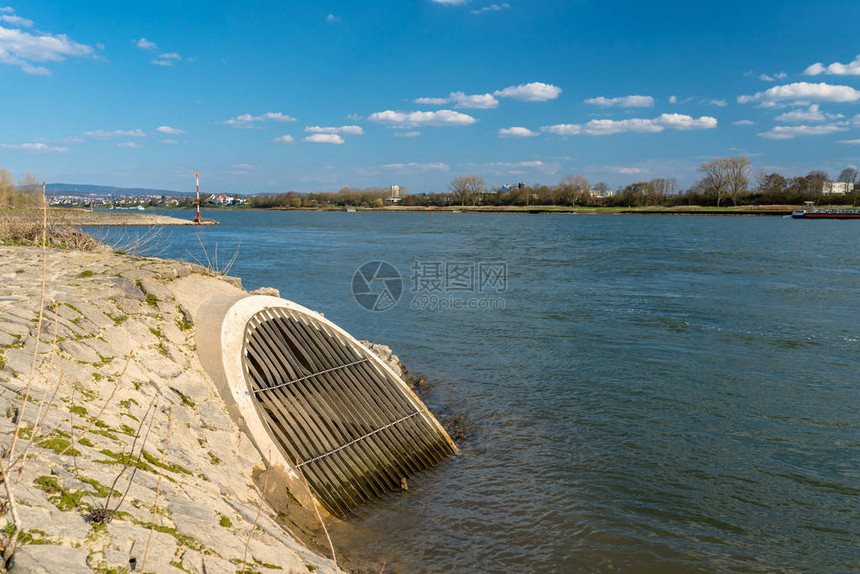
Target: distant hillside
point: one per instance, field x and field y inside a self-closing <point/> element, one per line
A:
<point x="54" y="189"/>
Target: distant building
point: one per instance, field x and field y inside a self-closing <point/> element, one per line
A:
<point x="601" y="194"/>
<point x="394" y="194"/>
<point x="837" y="188"/>
<point x="226" y="200"/>
<point x="510" y="186"/>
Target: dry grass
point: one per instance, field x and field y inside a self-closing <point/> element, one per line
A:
<point x="24" y="227"/>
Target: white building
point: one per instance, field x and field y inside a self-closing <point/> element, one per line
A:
<point x="601" y="194"/>
<point x="394" y="195"/>
<point x="837" y="188"/>
<point x="226" y="200"/>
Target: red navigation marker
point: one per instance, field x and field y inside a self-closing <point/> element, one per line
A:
<point x="197" y="219"/>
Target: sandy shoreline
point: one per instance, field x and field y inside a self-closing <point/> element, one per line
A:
<point x="80" y="217"/>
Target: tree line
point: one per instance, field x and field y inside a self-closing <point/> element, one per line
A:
<point x="726" y="181"/>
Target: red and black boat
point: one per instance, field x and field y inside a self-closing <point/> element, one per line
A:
<point x="814" y="213"/>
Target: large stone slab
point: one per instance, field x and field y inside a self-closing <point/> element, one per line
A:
<point x="56" y="524"/>
<point x="47" y="559"/>
<point x="130" y="542"/>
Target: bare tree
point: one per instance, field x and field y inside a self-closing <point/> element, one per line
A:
<point x="849" y="175"/>
<point x="30" y="187"/>
<point x="574" y="188"/>
<point x="7" y="188"/>
<point x="815" y="181"/>
<point x="466" y="187"/>
<point x="726" y="177"/>
<point x="662" y="187"/>
<point x="738" y="177"/>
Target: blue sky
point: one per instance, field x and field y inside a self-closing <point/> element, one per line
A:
<point x="272" y="96"/>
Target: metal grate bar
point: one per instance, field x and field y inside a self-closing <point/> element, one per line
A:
<point x="261" y="390"/>
<point x="370" y="434"/>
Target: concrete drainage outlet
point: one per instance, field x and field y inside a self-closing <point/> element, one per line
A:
<point x="314" y="399"/>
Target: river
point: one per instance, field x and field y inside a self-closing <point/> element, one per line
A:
<point x="638" y="393"/>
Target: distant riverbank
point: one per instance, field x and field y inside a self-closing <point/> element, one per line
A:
<point x="111" y="218"/>
<point x="764" y="210"/>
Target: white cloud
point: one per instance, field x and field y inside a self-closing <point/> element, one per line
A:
<point x="673" y="99"/>
<point x="407" y="134"/>
<point x="463" y="100"/>
<point x="169" y="130"/>
<point x="789" y="132"/>
<point x="718" y="103"/>
<point x="414" y="166"/>
<point x="835" y="69"/>
<point x="624" y="170"/>
<point x="516" y="132"/>
<point x="325" y="138"/>
<point x="450" y="2"/>
<point x="145" y="44"/>
<point x="623" y="102"/>
<point x="167" y="59"/>
<point x="535" y="163"/>
<point x="35" y="147"/>
<point x="168" y="142"/>
<point x="605" y="127"/>
<point x="7" y="10"/>
<point x="103" y="135"/>
<point x="476" y="102"/>
<point x="492" y="8"/>
<point x="563" y="129"/>
<point x="19" y="48"/>
<point x="773" y="78"/>
<point x="130" y="145"/>
<point x="802" y="92"/>
<point x="533" y="92"/>
<point x="284" y="139"/>
<point x="16" y="21"/>
<point x="413" y="119"/>
<point x="346" y="130"/>
<point x="744" y="123"/>
<point x="850" y="142"/>
<point x="684" y="122"/>
<point x="810" y="114"/>
<point x="332" y="18"/>
<point x="249" y="121"/>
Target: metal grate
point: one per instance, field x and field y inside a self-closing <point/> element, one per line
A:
<point x="352" y="427"/>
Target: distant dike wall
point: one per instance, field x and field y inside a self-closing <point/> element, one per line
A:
<point x="148" y="436"/>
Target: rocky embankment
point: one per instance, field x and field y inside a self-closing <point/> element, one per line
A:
<point x="125" y="458"/>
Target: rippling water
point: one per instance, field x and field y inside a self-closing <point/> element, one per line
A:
<point x="659" y="393"/>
